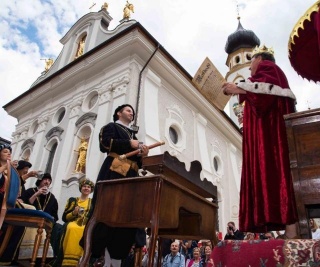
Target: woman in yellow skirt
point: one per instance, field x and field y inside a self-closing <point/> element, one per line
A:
<point x="75" y="217"/>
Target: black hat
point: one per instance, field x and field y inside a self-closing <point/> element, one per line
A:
<point x="3" y="146"/>
<point x="44" y="176"/>
<point x="115" y="115"/>
<point x="22" y="164"/>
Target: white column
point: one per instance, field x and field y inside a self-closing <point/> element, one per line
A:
<point x="64" y="157"/>
<point x="15" y="145"/>
<point x="94" y="156"/>
<point x="149" y="117"/>
<point x="37" y="152"/>
<point x="201" y="145"/>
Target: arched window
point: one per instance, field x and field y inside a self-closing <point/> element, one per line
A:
<point x="51" y="157"/>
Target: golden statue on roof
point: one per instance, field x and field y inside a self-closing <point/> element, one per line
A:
<point x="49" y="63"/>
<point x="80" y="49"/>
<point x="105" y="6"/>
<point x="127" y="10"/>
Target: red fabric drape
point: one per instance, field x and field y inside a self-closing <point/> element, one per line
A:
<point x="305" y="48"/>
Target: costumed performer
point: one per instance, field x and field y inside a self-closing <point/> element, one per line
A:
<point x="117" y="138"/>
<point x="267" y="200"/>
<point x="75" y="216"/>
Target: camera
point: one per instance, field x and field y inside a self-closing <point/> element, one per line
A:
<point x="39" y="174"/>
<point x="230" y="228"/>
<point x="81" y="211"/>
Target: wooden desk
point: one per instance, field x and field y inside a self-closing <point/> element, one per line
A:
<point x="158" y="202"/>
<point x="303" y="132"/>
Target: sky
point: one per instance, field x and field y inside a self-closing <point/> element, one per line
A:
<point x="30" y="31"/>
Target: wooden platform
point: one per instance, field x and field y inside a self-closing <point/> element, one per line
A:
<point x="303" y="132"/>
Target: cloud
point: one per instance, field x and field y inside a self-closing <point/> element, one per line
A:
<point x="189" y="30"/>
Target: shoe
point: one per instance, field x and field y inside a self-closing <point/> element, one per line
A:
<point x="98" y="262"/>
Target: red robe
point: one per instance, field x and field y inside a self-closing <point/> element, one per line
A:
<point x="267" y="199"/>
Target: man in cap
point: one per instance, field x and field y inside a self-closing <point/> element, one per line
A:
<point x="117" y="138"/>
<point x="23" y="170"/>
<point x="41" y="197"/>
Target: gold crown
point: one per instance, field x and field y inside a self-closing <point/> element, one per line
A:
<point x="262" y="49"/>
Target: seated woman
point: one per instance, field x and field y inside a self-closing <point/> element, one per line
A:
<point x="75" y="218"/>
<point x="9" y="254"/>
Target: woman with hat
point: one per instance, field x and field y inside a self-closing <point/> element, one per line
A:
<point x="10" y="253"/>
<point x="75" y="217"/>
<point x="5" y="158"/>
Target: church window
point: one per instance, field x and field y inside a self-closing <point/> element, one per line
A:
<point x="58" y="116"/>
<point x="248" y="56"/>
<point x="90" y="101"/>
<point x="61" y="115"/>
<point x="237" y="59"/>
<point x="175" y="133"/>
<point x="93" y="100"/>
<point x="215" y="164"/>
<point x="51" y="157"/>
<point x="174" y="136"/>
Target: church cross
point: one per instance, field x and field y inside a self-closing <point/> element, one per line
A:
<point x="93" y="4"/>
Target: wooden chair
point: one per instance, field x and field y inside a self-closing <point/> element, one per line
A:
<point x="23" y="217"/>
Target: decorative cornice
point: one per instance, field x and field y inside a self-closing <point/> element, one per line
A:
<point x="89" y="117"/>
<point x="29" y="143"/>
<point x="55" y="131"/>
<point x="42" y="122"/>
<point x="75" y="108"/>
<point x="74" y="179"/>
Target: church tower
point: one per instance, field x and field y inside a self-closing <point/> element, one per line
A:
<point x="239" y="49"/>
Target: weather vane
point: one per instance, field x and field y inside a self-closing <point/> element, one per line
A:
<point x="238" y="10"/>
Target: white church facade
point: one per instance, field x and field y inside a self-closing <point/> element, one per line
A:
<point x="99" y="69"/>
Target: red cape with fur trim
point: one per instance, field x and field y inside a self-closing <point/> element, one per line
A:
<point x="266" y="195"/>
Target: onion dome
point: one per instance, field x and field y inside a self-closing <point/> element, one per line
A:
<point x="241" y="38"/>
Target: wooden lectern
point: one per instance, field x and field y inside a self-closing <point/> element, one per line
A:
<point x="303" y="132"/>
<point x="168" y="203"/>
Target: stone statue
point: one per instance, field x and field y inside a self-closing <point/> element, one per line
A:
<point x="105" y="6"/>
<point x="127" y="9"/>
<point x="49" y="63"/>
<point x="82" y="150"/>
